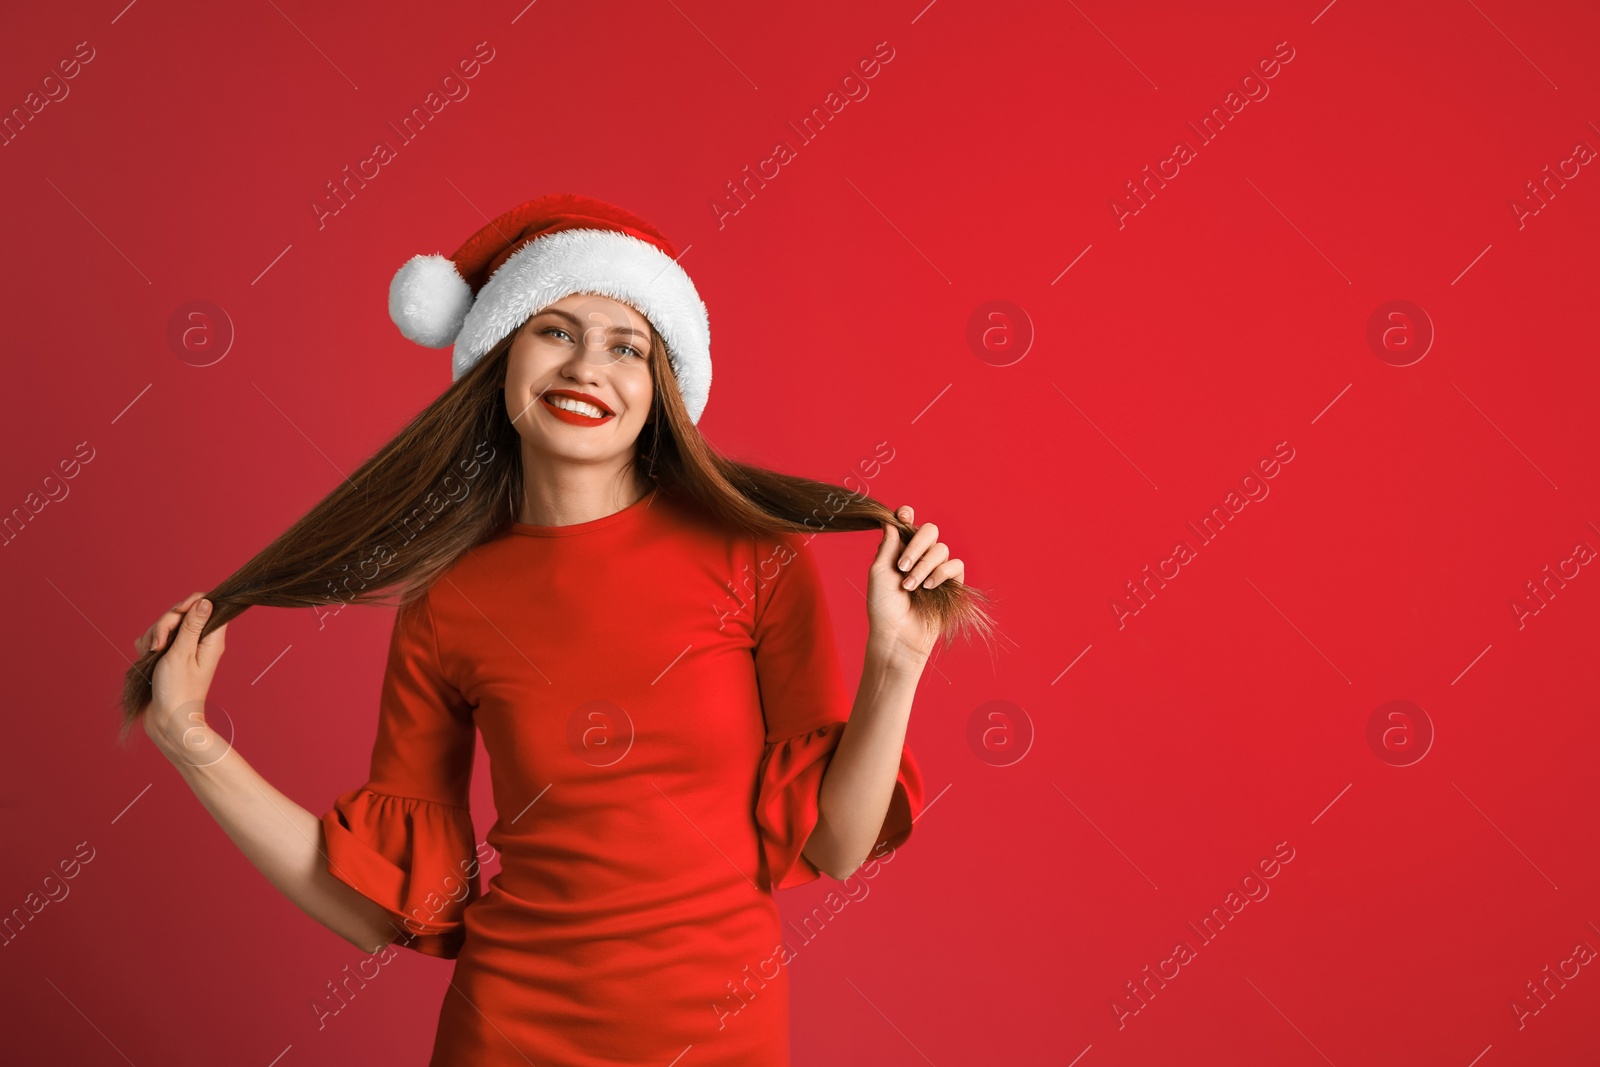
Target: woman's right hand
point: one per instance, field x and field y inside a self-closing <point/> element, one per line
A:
<point x="175" y="716"/>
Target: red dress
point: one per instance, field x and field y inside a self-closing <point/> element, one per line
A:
<point x="659" y="699"/>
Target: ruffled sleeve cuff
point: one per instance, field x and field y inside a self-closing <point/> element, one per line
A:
<point x="413" y="857"/>
<point x="788" y="783"/>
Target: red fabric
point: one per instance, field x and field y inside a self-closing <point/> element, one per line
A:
<point x="376" y="842"/>
<point x="486" y="250"/>
<point x="659" y="699"/>
<point x="786" y="804"/>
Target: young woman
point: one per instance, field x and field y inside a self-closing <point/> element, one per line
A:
<point x="637" y="628"/>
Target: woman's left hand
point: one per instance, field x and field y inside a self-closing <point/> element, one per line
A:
<point x="901" y="634"/>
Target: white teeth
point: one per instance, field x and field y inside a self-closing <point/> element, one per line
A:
<point x="567" y="403"/>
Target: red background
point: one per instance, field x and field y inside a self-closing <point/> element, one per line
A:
<point x="1228" y="315"/>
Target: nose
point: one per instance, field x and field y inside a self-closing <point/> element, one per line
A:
<point x="585" y="362"/>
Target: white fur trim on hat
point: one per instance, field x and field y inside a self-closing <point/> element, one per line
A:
<point x="428" y="299"/>
<point x="611" y="264"/>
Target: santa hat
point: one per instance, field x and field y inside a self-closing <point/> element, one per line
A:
<point x="538" y="252"/>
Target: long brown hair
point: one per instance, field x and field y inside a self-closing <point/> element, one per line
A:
<point x="452" y="479"/>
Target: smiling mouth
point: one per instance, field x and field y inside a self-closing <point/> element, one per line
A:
<point x="578" y="412"/>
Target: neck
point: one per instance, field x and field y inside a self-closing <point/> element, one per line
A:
<point x="565" y="494"/>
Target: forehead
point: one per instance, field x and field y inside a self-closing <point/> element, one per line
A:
<point x="597" y="310"/>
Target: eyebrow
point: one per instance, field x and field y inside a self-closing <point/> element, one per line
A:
<point x="628" y="331"/>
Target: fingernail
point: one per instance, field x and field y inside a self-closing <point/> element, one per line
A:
<point x="909" y="583"/>
<point x="203" y="608"/>
<point x="905" y="564"/>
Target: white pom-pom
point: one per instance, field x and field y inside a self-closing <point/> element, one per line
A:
<point x="428" y="300"/>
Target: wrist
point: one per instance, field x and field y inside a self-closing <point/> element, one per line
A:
<point x="889" y="656"/>
<point x="190" y="745"/>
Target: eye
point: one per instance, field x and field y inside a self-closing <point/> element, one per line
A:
<point x="626" y="349"/>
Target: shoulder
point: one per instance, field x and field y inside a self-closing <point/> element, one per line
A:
<point x="447" y="603"/>
<point x="789" y="582"/>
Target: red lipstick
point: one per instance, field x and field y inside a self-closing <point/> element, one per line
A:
<point x="574" y="417"/>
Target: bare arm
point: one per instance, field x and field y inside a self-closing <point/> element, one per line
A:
<point x="859" y="782"/>
<point x="282" y="839"/>
<point x="860" y="779"/>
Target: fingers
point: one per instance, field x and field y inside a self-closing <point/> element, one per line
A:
<point x="926" y="537"/>
<point x="925" y="565"/>
<point x="951" y="568"/>
<point x="888" y="547"/>
<point x="211" y="647"/>
<point x="194" y="620"/>
<point x="156" y="636"/>
<point x="925" y="560"/>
